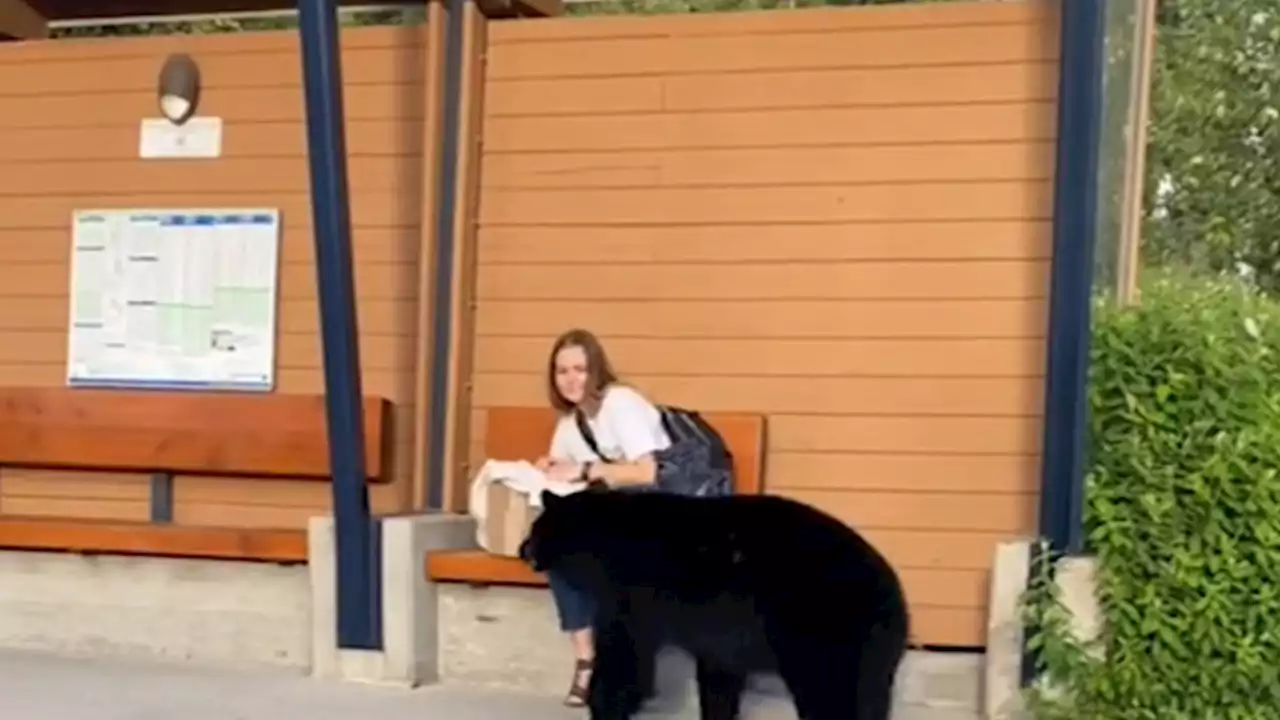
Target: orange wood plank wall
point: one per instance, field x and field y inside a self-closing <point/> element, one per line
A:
<point x="69" y="117"/>
<point x="839" y="218"/>
<point x="836" y="217"/>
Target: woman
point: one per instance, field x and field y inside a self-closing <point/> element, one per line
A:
<point x="627" y="430"/>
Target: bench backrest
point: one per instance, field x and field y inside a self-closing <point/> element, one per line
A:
<point x="269" y="435"/>
<point x="522" y="433"/>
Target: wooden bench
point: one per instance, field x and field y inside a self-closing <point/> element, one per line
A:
<point x="267" y="436"/>
<point x="512" y="433"/>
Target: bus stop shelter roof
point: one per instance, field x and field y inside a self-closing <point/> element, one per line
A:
<point x="47" y="11"/>
<point x="78" y="9"/>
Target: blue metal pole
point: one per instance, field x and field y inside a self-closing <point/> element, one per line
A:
<point x="357" y="549"/>
<point x="1075" y="213"/>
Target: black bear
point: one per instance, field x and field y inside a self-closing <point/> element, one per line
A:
<point x="745" y="584"/>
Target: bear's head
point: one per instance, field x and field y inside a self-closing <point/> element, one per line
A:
<point x="569" y="535"/>
<point x="602" y="540"/>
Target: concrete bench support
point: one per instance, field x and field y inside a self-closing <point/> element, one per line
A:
<point x="410" y="655"/>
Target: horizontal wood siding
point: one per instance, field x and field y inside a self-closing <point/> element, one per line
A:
<point x="839" y="218"/>
<point x="69" y="118"/>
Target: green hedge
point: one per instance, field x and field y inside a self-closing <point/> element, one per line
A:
<point x="1183" y="512"/>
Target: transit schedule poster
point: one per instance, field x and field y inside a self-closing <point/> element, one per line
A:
<point x="174" y="299"/>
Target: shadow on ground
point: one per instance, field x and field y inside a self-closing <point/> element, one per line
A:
<point x="35" y="686"/>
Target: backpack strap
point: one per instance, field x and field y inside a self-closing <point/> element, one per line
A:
<point x="584" y="429"/>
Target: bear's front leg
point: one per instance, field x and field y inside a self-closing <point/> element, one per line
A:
<point x="618" y="682"/>
<point x="719" y="691"/>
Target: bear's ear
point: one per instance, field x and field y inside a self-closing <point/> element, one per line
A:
<point x="549" y="499"/>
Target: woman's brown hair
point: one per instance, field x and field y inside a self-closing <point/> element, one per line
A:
<point x="600" y="373"/>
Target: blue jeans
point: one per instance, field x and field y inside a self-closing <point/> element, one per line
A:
<point x="574" y="606"/>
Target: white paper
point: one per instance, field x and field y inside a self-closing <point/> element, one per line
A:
<point x="521" y="475"/>
<point x="198" y="137"/>
<point x="178" y="299"/>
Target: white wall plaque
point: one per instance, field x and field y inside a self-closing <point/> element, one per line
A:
<point x="199" y="137"/>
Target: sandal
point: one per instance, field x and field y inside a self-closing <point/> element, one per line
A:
<point x="577" y="696"/>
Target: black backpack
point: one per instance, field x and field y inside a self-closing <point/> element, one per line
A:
<point x="698" y="461"/>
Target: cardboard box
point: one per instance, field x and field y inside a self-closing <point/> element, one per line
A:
<point x="508" y="519"/>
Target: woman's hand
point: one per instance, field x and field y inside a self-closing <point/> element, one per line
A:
<point x="642" y="471"/>
<point x="544" y="463"/>
<point x="563" y="471"/>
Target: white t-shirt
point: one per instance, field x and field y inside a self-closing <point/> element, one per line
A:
<point x="627" y="428"/>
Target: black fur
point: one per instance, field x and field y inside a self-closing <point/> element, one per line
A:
<point x="745" y="584"/>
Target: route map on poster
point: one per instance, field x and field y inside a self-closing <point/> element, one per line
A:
<point x="176" y="299"/>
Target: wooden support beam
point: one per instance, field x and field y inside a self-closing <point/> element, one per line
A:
<point x="19" y="21"/>
<point x="501" y="9"/>
<point x="1135" y="167"/>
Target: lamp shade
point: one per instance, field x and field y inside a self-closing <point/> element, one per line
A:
<point x="179" y="88"/>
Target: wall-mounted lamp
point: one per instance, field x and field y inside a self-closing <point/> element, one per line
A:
<point x="179" y="88"/>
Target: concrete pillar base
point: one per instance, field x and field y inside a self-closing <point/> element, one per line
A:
<point x="410" y="615"/>
<point x="1002" y="676"/>
<point x="1010" y="576"/>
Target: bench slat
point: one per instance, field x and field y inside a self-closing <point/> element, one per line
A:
<point x="521" y="433"/>
<point x="478" y="566"/>
<point x="130" y="538"/>
<point x="264" y="435"/>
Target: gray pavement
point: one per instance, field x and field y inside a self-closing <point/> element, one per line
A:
<point x="43" y="687"/>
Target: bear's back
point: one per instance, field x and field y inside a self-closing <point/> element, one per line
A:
<point x="771" y="549"/>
